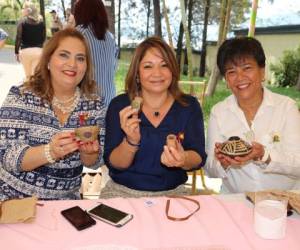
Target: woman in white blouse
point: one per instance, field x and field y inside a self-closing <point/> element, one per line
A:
<point x="269" y="121"/>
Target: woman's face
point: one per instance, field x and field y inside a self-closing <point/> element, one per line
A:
<point x="244" y="78"/>
<point x="68" y="64"/>
<point x="155" y="76"/>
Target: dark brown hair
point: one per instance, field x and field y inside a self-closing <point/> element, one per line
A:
<point x="131" y="83"/>
<point x="40" y="82"/>
<point x="234" y="49"/>
<point x="92" y="12"/>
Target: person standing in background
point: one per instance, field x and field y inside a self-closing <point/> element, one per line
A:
<point x="56" y="24"/>
<point x="31" y="34"/>
<point x="92" y="21"/>
<point x="70" y="20"/>
<point x="3" y="36"/>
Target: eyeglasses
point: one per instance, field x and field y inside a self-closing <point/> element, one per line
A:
<point x="180" y="218"/>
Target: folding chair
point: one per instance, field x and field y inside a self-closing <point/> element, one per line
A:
<point x="196" y="89"/>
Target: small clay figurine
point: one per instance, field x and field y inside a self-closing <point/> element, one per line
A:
<point x="137" y="103"/>
<point x="172" y="141"/>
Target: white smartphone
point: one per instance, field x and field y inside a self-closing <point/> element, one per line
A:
<point x="110" y="215"/>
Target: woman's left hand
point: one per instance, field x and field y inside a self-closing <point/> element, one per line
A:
<point x="89" y="147"/>
<point x="257" y="153"/>
<point x="173" y="157"/>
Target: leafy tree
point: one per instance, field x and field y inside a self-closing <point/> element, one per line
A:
<point x="287" y="70"/>
<point x="223" y="29"/>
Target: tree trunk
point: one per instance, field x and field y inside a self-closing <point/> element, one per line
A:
<point x="190" y="17"/>
<point x="187" y="40"/>
<point x="112" y="17"/>
<point x="148" y="17"/>
<point x="204" y="35"/>
<point x="179" y="45"/>
<point x="42" y="11"/>
<point x="119" y="29"/>
<point x="63" y="7"/>
<point x="224" y="20"/>
<point x="167" y="24"/>
<point x="73" y="5"/>
<point x="298" y="83"/>
<point x="157" y="20"/>
<point x="253" y="18"/>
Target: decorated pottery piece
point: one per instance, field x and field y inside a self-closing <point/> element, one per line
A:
<point x="87" y="133"/>
<point x="137" y="103"/>
<point x="235" y="146"/>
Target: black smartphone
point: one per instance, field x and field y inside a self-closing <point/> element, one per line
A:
<point x="78" y="217"/>
<point x="110" y="215"/>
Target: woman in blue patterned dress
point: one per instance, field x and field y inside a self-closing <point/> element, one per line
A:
<point x="39" y="153"/>
<point x="92" y="21"/>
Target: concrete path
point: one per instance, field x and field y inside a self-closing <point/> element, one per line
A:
<point x="11" y="72"/>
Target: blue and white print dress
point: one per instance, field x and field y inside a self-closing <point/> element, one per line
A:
<point x="26" y="121"/>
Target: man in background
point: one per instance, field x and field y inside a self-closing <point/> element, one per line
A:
<point x="56" y="24"/>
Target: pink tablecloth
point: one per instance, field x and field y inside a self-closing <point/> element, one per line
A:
<point x="219" y="224"/>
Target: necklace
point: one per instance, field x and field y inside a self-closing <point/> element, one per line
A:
<point x="156" y="111"/>
<point x="61" y="105"/>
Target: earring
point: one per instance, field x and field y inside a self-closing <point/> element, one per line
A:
<point x="138" y="83"/>
<point x="48" y="66"/>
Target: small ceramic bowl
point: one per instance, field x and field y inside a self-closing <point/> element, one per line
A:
<point x="235" y="146"/>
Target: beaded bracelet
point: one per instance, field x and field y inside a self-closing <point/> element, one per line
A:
<point x="132" y="144"/>
<point x="47" y="154"/>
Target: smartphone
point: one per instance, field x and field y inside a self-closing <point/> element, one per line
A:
<point x="78" y="217"/>
<point x="110" y="215"/>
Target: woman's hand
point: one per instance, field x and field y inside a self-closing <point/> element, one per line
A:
<point x="173" y="157"/>
<point x="91" y="147"/>
<point x="238" y="161"/>
<point x="62" y="144"/>
<point x="130" y="124"/>
<point x="224" y="160"/>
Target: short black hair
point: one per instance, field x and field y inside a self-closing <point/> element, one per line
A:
<point x="234" y="49"/>
<point x="52" y="11"/>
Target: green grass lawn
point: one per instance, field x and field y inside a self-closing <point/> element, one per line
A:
<point x="220" y="94"/>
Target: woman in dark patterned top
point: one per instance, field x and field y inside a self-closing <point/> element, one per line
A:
<point x="31" y="34"/>
<point x="39" y="153"/>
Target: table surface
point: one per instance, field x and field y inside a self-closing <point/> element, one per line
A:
<point x="223" y="222"/>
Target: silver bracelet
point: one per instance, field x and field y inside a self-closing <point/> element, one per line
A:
<point x="47" y="154"/>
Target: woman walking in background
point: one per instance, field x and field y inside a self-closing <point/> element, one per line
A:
<point x="92" y="21"/>
<point x="31" y="34"/>
<point x="3" y="36"/>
